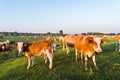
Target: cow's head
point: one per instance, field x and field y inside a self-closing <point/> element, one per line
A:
<point x="22" y="47"/>
<point x="54" y="46"/>
<point x="19" y="46"/>
<point x="97" y="44"/>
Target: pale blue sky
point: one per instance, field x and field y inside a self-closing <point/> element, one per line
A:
<point x="71" y="16"/>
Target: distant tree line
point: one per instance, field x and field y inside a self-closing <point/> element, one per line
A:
<point x="98" y="33"/>
<point x="49" y="33"/>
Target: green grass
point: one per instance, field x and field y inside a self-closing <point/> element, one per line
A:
<point x="64" y="66"/>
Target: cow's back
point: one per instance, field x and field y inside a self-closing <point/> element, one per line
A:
<point x="84" y="43"/>
<point x="79" y="41"/>
<point x="117" y="37"/>
<point x="69" y="39"/>
<point x="38" y="46"/>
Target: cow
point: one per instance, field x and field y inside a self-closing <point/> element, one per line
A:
<point x="12" y="42"/>
<point x="118" y="43"/>
<point x="68" y="42"/>
<point x="5" y="48"/>
<point x="5" y="42"/>
<point x="38" y="48"/>
<point x="20" y="47"/>
<point x="87" y="46"/>
<point x="59" y="38"/>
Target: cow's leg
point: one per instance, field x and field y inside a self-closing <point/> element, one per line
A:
<point x="86" y="62"/>
<point x="63" y="45"/>
<point x="117" y="45"/>
<point x="81" y="54"/>
<point x="76" y="54"/>
<point x="29" y="60"/>
<point x="45" y="57"/>
<point x="50" y="57"/>
<point x="68" y="49"/>
<point x="94" y="61"/>
<point x="19" y="53"/>
<point x="32" y="59"/>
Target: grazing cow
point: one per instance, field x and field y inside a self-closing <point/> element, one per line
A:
<point x="118" y="43"/>
<point x="87" y="46"/>
<point x="5" y="42"/>
<point x="38" y="48"/>
<point x="12" y="42"/>
<point x="5" y="48"/>
<point x="8" y="48"/>
<point x="58" y="38"/>
<point x="68" y="42"/>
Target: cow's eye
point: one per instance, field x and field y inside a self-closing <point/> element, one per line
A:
<point x="90" y="41"/>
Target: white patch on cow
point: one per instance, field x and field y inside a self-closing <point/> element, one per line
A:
<point x="84" y="39"/>
<point x="42" y="51"/>
<point x="54" y="47"/>
<point x="98" y="41"/>
<point x="89" y="54"/>
<point x="3" y="47"/>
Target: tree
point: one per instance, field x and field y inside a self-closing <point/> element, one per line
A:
<point x="61" y="32"/>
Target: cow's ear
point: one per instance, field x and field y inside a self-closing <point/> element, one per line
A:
<point x="90" y="39"/>
<point x="103" y="41"/>
<point x="25" y="44"/>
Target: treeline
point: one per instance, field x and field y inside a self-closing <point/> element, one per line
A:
<point x="98" y="33"/>
<point x="12" y="34"/>
<point x="49" y="33"/>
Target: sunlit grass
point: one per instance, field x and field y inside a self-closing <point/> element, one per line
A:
<point x="64" y="66"/>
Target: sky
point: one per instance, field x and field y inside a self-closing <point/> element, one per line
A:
<point x="70" y="16"/>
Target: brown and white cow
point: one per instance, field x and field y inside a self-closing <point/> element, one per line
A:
<point x="87" y="46"/>
<point x="68" y="42"/>
<point x="5" y="48"/>
<point x="37" y="48"/>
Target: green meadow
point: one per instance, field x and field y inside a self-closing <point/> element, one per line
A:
<point x="65" y="67"/>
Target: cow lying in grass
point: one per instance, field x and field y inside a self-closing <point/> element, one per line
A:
<point x="37" y="48"/>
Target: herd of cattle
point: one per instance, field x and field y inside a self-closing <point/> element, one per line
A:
<point x="85" y="46"/>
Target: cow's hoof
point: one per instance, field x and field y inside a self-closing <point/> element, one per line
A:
<point x="86" y="69"/>
<point x="28" y="67"/>
<point x="97" y="69"/>
<point x="50" y="67"/>
<point x="45" y="61"/>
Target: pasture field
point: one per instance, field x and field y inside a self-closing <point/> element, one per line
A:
<point x="13" y="67"/>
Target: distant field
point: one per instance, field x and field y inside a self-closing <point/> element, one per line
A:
<point x="64" y="66"/>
